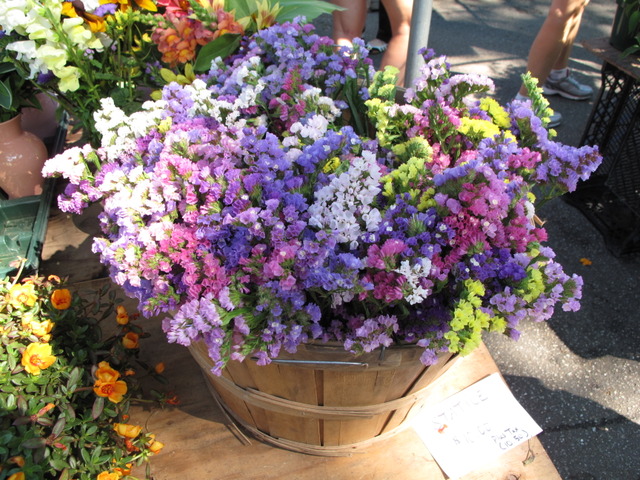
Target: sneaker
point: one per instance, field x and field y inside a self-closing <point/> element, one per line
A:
<point x="567" y="87"/>
<point x="377" y="46"/>
<point x="555" y="119"/>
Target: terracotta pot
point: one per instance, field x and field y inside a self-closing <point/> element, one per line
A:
<point x="22" y="155"/>
<point x="41" y="122"/>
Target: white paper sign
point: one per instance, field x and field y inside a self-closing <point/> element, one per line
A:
<point x="474" y="426"/>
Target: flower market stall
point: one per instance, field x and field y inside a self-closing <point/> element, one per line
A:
<point x="285" y="198"/>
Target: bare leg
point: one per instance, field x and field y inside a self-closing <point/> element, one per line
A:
<point x="348" y="23"/>
<point x="552" y="45"/>
<point x="399" y="12"/>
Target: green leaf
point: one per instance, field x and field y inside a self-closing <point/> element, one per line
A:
<point x="59" y="427"/>
<point x="310" y="9"/>
<point x="98" y="407"/>
<point x="222" y="47"/>
<point x="34" y="443"/>
<point x="6" y="100"/>
<point x="74" y="377"/>
<point x="86" y="456"/>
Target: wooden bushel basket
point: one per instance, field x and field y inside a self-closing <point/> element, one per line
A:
<point x="323" y="400"/>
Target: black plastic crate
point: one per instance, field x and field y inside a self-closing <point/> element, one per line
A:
<point x="611" y="198"/>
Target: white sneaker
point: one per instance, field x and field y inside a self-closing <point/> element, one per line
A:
<point x="567" y="87"/>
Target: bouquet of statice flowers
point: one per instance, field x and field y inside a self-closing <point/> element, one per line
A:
<point x="290" y="196"/>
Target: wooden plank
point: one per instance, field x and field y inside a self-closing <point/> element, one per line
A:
<point x="200" y="444"/>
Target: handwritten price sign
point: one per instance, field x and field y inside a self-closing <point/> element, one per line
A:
<point x="475" y="426"/>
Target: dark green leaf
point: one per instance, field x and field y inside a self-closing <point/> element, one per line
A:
<point x="44" y="421"/>
<point x="86" y="456"/>
<point x="223" y="46"/>
<point x="59" y="427"/>
<point x="6" y="99"/>
<point x="98" y="407"/>
<point x="34" y="443"/>
<point x="74" y="377"/>
<point x="310" y="9"/>
<point x="21" y="421"/>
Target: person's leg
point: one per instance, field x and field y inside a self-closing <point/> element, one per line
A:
<point x="399" y="12"/>
<point x="348" y="23"/>
<point x="553" y="42"/>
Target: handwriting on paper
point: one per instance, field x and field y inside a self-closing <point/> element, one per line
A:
<point x="475" y="426"/>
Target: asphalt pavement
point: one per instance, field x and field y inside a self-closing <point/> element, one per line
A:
<point x="578" y="375"/>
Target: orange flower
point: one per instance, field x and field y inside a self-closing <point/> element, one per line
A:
<point x="159" y="368"/>
<point x="130" y="340"/>
<point x="22" y="296"/>
<point x="586" y="262"/>
<point x="18" y="460"/>
<point x="124" y="471"/>
<point x="106" y="373"/>
<point x="114" y="391"/>
<point x="16" y="476"/>
<point x="107" y="383"/>
<point x="37" y="357"/>
<point x="127" y="430"/>
<point x="153" y="445"/>
<point x="61" y="299"/>
<point x="109" y="475"/>
<point x="122" y="317"/>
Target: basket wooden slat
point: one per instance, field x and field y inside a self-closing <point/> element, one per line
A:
<point x="331" y="403"/>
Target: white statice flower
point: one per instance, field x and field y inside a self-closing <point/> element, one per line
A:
<point x="413" y="273"/>
<point x="312" y="128"/>
<point x="69" y="164"/>
<point x="340" y="205"/>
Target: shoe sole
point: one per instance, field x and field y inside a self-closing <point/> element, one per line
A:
<point x="562" y="93"/>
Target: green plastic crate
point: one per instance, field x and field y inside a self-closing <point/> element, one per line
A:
<point x="23" y="221"/>
<point x="23" y="226"/>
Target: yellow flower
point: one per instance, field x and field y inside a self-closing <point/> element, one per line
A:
<point x="122" y="317"/>
<point x="127" y="430"/>
<point x="61" y="299"/>
<point x="22" y="295"/>
<point x="130" y="340"/>
<point x="586" y="262"/>
<point x="69" y="78"/>
<point x="41" y="330"/>
<point x="109" y="475"/>
<point x="36" y="357"/>
<point x="17" y="476"/>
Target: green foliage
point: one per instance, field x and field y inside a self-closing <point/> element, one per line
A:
<point x="52" y="423"/>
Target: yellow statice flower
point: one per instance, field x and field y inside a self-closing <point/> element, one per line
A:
<point x="496" y="112"/>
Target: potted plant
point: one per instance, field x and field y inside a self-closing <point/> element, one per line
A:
<point x="67" y="384"/>
<point x="625" y="31"/>
<point x="22" y="154"/>
<point x="286" y="199"/>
